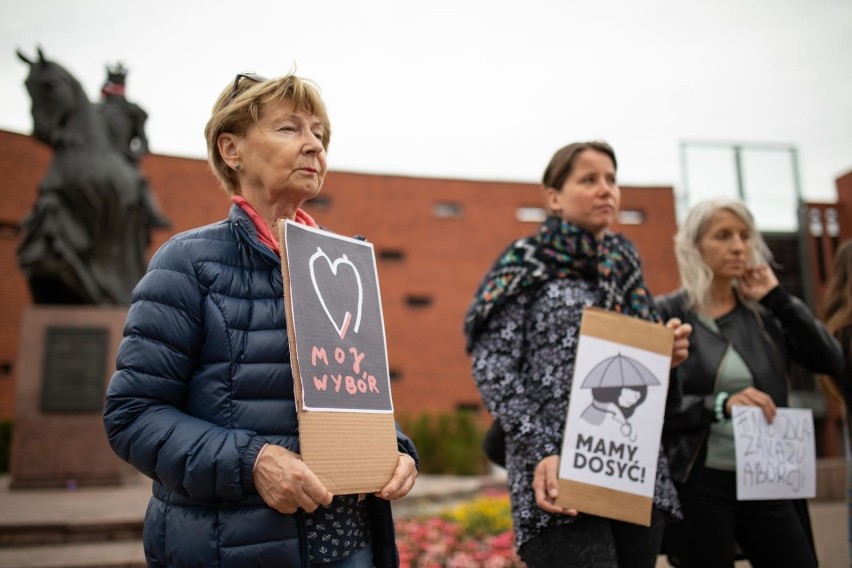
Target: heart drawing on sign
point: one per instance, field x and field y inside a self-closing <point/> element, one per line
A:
<point x="340" y="297"/>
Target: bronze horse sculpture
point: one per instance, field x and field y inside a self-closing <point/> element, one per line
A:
<point x="85" y="239"/>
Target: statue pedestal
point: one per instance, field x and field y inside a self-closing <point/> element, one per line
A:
<point x="67" y="357"/>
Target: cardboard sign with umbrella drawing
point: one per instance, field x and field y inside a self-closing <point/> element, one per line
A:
<point x="615" y="416"/>
<point x="338" y="353"/>
<point x="619" y="385"/>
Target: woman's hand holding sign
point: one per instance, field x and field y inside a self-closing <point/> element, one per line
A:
<point x="750" y="396"/>
<point x="286" y="484"/>
<point x="402" y="480"/>
<point x="546" y="486"/>
<point x="680" y="349"/>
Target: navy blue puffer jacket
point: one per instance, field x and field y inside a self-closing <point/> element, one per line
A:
<point x="203" y="381"/>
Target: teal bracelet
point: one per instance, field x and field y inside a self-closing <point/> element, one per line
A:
<point x="719" y="406"/>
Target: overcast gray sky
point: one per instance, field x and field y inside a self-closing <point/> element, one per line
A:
<point x="489" y="89"/>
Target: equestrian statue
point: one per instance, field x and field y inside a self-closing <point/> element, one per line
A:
<point x="85" y="239"/>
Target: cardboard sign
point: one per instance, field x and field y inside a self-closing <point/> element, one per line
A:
<point x="608" y="463"/>
<point x="339" y="357"/>
<point x="778" y="460"/>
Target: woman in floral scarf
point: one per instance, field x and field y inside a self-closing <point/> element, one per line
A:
<point x="522" y="332"/>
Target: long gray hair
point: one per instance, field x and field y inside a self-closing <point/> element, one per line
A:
<point x="695" y="276"/>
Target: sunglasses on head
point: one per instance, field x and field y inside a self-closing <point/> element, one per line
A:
<point x="236" y="88"/>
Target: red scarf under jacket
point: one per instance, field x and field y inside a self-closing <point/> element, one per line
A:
<point x="263" y="232"/>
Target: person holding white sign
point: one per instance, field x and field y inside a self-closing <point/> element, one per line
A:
<point x="522" y="330"/>
<point x="747" y="331"/>
<point x="203" y="400"/>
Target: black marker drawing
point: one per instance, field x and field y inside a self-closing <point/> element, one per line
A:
<point x="619" y="386"/>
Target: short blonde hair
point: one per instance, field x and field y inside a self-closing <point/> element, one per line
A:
<point x="695" y="276"/>
<point x="241" y="104"/>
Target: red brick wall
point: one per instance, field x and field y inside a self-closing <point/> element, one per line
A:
<point x="22" y="163"/>
<point x="443" y="259"/>
<point x="446" y="258"/>
<point x="844" y="205"/>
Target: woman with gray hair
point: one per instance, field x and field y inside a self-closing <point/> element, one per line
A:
<point x="747" y="332"/>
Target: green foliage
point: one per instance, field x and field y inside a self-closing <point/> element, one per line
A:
<point x="5" y="444"/>
<point x="449" y="444"/>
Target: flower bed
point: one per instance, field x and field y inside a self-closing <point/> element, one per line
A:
<point x="472" y="535"/>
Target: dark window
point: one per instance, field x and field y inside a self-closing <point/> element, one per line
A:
<point x="391" y="255"/>
<point x="395" y="374"/>
<point x="9" y="230"/>
<point x="469" y="406"/>
<point x="418" y="301"/>
<point x="788" y="268"/>
<point x="319" y="203"/>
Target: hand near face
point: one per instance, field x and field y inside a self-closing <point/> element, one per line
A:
<point x="286" y="484"/>
<point x="750" y="396"/>
<point x="546" y="486"/>
<point x="680" y="347"/>
<point x="757" y="282"/>
<point x="402" y="480"/>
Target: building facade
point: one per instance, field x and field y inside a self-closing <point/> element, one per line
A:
<point x="434" y="239"/>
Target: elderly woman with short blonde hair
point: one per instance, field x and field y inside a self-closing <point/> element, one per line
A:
<point x="202" y="399"/>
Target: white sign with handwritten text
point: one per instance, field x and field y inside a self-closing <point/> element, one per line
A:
<point x="778" y="460"/>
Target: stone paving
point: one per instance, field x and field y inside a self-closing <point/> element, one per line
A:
<point x="81" y="514"/>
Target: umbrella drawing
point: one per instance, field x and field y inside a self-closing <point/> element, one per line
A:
<point x="619" y="371"/>
<point x="619" y="386"/>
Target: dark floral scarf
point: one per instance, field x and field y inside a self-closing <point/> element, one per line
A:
<point x="562" y="250"/>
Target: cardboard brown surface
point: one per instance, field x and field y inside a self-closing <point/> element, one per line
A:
<point x="605" y="502"/>
<point x="628" y="330"/>
<point x="350" y="452"/>
<point x="608" y="458"/>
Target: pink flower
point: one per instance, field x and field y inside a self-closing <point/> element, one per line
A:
<point x="458" y="541"/>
